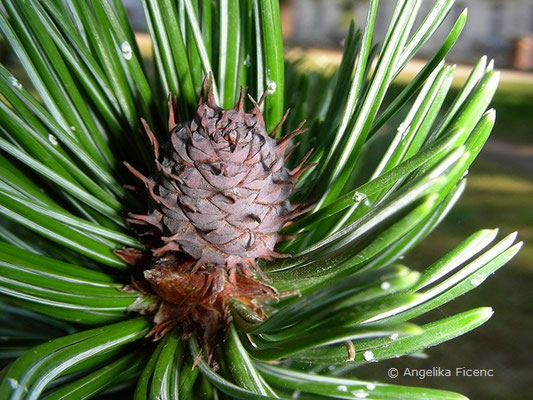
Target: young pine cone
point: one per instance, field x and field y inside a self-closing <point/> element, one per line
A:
<point x="219" y="198"/>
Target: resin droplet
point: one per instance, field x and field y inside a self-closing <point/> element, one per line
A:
<point x="127" y="52"/>
<point x="358" y="197"/>
<point x="15" y="83"/>
<point x="403" y="129"/>
<point x="476" y="281"/>
<point x="53" y="140"/>
<point x="247" y="61"/>
<point x="14" y="383"/>
<point x="271" y="87"/>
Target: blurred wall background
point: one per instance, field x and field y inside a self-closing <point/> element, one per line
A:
<point x="497" y="28"/>
<point x="135" y="12"/>
<point x="501" y="29"/>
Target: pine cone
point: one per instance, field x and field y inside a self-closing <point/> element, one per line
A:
<point x="217" y="201"/>
<point x="220" y="193"/>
